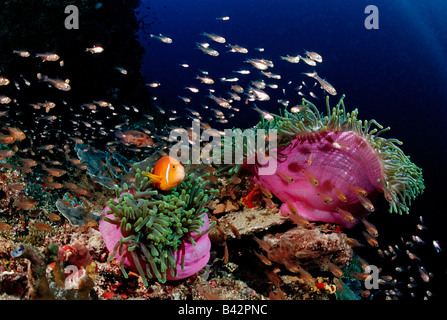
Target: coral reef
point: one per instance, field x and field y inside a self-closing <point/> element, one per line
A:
<point x="255" y="252"/>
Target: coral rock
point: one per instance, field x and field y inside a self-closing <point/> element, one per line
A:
<point x="285" y="246"/>
<point x="249" y="221"/>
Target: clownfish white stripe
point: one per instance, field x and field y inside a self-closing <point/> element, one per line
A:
<point x="167" y="172"/>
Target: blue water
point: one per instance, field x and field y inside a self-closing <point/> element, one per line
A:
<point x="395" y="74"/>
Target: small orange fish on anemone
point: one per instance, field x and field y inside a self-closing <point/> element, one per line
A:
<point x="137" y="138"/>
<point x="167" y="173"/>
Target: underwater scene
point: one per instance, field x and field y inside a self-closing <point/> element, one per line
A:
<point x="223" y="150"/>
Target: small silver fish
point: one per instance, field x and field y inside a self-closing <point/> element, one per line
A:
<point x="122" y="70"/>
<point x="22" y="53"/>
<point x="259" y="94"/>
<point x="267" y="116"/>
<point x="5" y="100"/>
<point x="242" y="71"/>
<point x="207" y="50"/>
<point x="214" y="37"/>
<point x="271" y="75"/>
<point x="308" y="61"/>
<point x="238" y="49"/>
<point x="205" y="80"/>
<point x="324" y="84"/>
<point x="57" y="83"/>
<point x="4" y="81"/>
<point x="162" y="38"/>
<point x="424" y="274"/>
<point x="48" y="56"/>
<point x="314" y="56"/>
<point x="437" y="246"/>
<point x="235" y="79"/>
<point x="192" y="89"/>
<point x="153" y="84"/>
<point x="95" y="49"/>
<point x="258" y="64"/>
<point x="291" y="59"/>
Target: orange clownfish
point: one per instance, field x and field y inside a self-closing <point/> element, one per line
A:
<point x="167" y="173"/>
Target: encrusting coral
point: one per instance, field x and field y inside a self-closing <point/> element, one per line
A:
<point x="159" y="234"/>
<point x="308" y="247"/>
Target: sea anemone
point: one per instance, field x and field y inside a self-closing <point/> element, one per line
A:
<point x="332" y="168"/>
<point x="159" y="234"/>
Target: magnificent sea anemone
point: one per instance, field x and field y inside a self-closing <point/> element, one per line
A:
<point x="159" y="234"/>
<point x="332" y="168"/>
